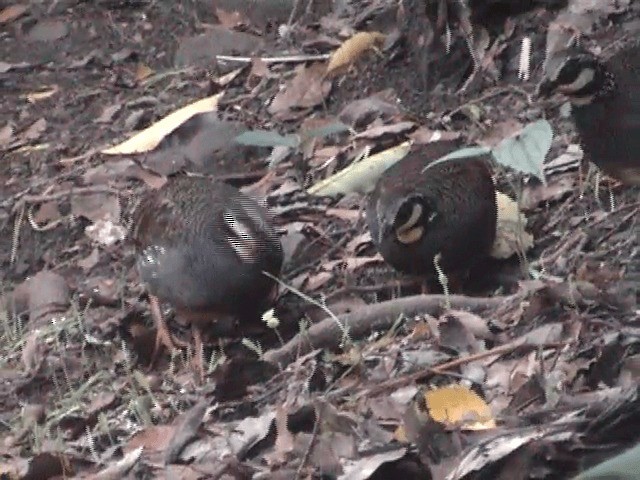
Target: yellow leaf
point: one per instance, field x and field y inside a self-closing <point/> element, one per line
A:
<point x="351" y="50"/>
<point x="460" y="406"/>
<point x="149" y="138"/>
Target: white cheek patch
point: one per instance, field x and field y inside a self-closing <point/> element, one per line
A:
<point x="585" y="78"/>
<point x="408" y="233"/>
<point x="410" y="236"/>
<point x="242" y="241"/>
<point x="416" y="213"/>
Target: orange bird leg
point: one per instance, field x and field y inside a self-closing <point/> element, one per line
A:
<point x="163" y="337"/>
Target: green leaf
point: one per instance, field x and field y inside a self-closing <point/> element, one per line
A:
<point x="624" y="466"/>
<point x="266" y="138"/>
<point x="466" y="152"/>
<point x="526" y="151"/>
<point x="337" y="127"/>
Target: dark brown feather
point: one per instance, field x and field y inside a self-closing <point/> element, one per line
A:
<point x="605" y="109"/>
<point x="458" y="204"/>
<point x="203" y="245"/>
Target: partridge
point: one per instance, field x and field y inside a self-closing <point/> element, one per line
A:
<point x="448" y="209"/>
<point x="203" y="246"/>
<point x="605" y="106"/>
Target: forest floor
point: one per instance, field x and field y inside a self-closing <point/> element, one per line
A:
<point x="542" y="355"/>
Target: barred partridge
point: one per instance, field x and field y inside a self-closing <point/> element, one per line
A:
<point x="203" y="247"/>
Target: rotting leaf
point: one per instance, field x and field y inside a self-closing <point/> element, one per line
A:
<point x="250" y="431"/>
<point x="90" y="261"/>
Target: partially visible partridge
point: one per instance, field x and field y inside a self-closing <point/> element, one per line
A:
<point x="203" y="247"/>
<point x="605" y="105"/>
<point x="448" y="209"/>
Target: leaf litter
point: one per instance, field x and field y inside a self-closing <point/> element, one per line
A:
<point x="534" y="364"/>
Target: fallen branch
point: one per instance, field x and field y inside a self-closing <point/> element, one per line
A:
<point x="379" y="316"/>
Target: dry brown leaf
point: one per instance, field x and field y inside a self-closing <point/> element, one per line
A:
<point x="47" y="212"/>
<point x="143" y="71"/>
<point x="149" y="138"/>
<point x="351" y="50"/>
<point x="307" y="89"/>
<point x="511" y="235"/>
<point x="230" y="19"/>
<point x="31" y="352"/>
<point x="153" y="438"/>
<point x="42" y="95"/>
<point x="284" y="439"/>
<point x="353" y="263"/>
<point x="12" y="12"/>
<point x="35" y="130"/>
<point x="90" y="261"/>
<point x="96" y="206"/>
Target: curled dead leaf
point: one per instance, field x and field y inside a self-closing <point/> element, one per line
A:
<point x="511" y="235"/>
<point x="351" y="50"/>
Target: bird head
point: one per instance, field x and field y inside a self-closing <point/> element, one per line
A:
<point x="581" y="77"/>
<point x="407" y="219"/>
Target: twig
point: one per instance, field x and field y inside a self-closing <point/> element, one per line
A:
<point x="379" y="316"/>
<point x="47" y="197"/>
<point x="284" y="59"/>
<point x="486" y="96"/>
<point x="396" y="383"/>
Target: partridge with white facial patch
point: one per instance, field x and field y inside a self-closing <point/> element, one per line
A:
<point x="203" y="247"/>
<point x="605" y="104"/>
<point x="448" y="209"/>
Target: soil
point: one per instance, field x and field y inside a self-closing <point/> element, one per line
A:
<point x="84" y="60"/>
